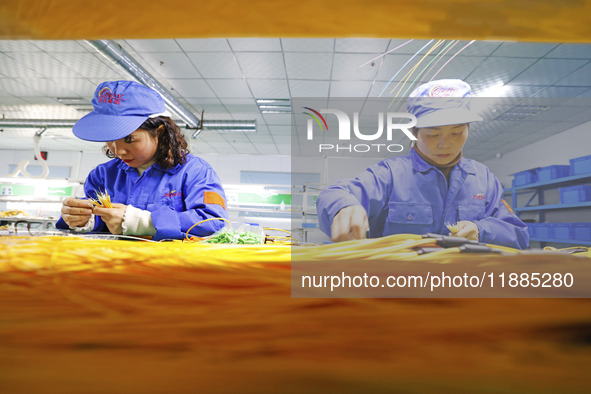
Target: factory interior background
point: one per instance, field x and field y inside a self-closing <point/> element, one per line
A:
<point x="242" y="89"/>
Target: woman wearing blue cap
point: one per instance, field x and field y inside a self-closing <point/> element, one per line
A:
<point x="430" y="187"/>
<point x="157" y="187"/>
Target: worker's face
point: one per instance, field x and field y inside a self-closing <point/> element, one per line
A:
<point x="136" y="150"/>
<point x="443" y="143"/>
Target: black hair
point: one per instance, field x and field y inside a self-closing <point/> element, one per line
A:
<point x="172" y="147"/>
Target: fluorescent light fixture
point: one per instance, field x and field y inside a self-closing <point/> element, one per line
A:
<point x="78" y="103"/>
<point x="278" y="107"/>
<point x="496" y="90"/>
<point x="521" y="112"/>
<point x="273" y="101"/>
<point x="72" y="100"/>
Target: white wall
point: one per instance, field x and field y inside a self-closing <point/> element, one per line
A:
<point x="80" y="162"/>
<point x="557" y="149"/>
<point x="228" y="167"/>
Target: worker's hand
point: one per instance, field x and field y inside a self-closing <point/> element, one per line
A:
<point x="76" y="212"/>
<point x="349" y="223"/>
<point x="113" y="217"/>
<point x="467" y="230"/>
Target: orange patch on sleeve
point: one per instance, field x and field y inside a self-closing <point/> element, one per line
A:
<point x="214" y="198"/>
<point x="507" y="206"/>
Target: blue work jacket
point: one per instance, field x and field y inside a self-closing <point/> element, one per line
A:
<point x="408" y="195"/>
<point x="177" y="197"/>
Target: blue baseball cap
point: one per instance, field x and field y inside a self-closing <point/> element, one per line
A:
<point x="442" y="103"/>
<point x="120" y="108"/>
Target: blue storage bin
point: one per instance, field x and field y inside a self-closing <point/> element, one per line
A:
<point x="563" y="231"/>
<point x="582" y="231"/>
<point x="575" y="194"/>
<point x="309" y="225"/>
<point x="525" y="177"/>
<point x="548" y="173"/>
<point x="531" y="229"/>
<point x="580" y="165"/>
<point x="545" y="230"/>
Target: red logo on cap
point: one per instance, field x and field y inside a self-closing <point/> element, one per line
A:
<point x="441" y="91"/>
<point x="106" y="96"/>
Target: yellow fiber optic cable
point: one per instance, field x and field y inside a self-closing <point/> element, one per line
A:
<point x="103" y="199"/>
<point x="416" y="66"/>
<point x="203" y="221"/>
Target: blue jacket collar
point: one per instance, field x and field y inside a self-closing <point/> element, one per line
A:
<point x="173" y="170"/>
<point x="420" y="165"/>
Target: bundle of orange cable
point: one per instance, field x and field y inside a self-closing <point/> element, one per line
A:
<point x="96" y="316"/>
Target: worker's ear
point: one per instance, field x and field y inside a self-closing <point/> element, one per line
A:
<point x="415" y="132"/>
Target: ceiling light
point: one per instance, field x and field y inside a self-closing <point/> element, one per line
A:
<point x="521" y="112"/>
<point x="277" y="107"/>
<point x="273" y="101"/>
<point x="78" y="103"/>
<point x="72" y="100"/>
<point x="497" y="90"/>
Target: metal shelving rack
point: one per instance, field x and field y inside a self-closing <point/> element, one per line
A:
<point x="538" y="189"/>
<point x="306" y="223"/>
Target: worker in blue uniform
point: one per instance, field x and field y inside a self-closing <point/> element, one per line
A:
<point x="157" y="187"/>
<point x="429" y="188"/>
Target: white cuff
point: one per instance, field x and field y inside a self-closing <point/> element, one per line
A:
<point x="88" y="227"/>
<point x="137" y="222"/>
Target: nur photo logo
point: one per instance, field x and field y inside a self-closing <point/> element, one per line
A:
<point x="350" y="131"/>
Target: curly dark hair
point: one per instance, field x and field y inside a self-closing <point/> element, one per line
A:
<point x="172" y="147"/>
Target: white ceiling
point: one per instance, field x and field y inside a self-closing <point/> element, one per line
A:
<point x="223" y="77"/>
